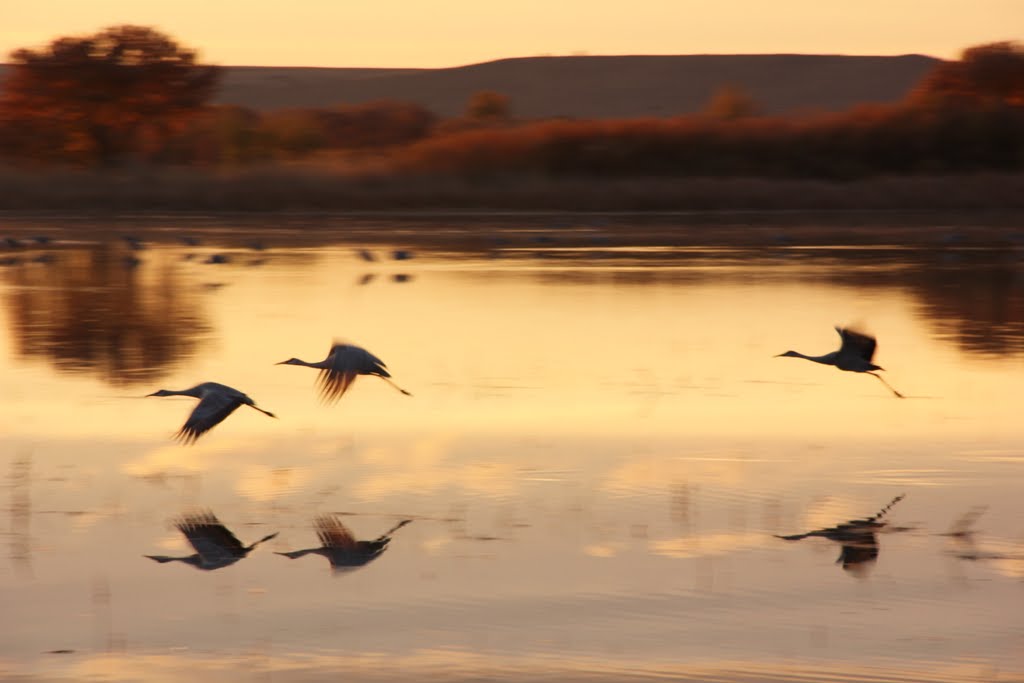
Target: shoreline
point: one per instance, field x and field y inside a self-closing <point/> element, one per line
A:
<point x="313" y="190"/>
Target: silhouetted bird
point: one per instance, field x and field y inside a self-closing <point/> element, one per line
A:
<point x="854" y="355"/>
<point x="218" y="258"/>
<point x="214" y="544"/>
<point x="216" y="402"/>
<point x="341" y="548"/>
<point x="134" y="243"/>
<point x="343" y="363"/>
<point x="367" y="255"/>
<point x="857" y="540"/>
<point x="962" y="537"/>
<point x="401" y="254"/>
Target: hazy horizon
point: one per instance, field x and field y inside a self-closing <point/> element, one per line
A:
<point x="450" y="33"/>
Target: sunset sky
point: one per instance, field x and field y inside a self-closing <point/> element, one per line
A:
<point x="412" y="33"/>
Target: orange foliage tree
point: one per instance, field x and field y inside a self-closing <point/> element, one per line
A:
<point x="102" y="98"/>
<point x="992" y="73"/>
<point x="487" y="105"/>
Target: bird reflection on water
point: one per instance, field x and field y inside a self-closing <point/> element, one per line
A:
<point x="216" y="547"/>
<point x="341" y="548"/>
<point x="857" y="539"/>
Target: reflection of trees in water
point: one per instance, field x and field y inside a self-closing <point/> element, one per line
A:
<point x="972" y="298"/>
<point x="95" y="311"/>
<point x="978" y="306"/>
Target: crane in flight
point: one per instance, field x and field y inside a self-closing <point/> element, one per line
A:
<point x="341" y="548"/>
<point x="343" y="364"/>
<point x="215" y="545"/>
<point x="216" y="402"/>
<point x="854" y="355"/>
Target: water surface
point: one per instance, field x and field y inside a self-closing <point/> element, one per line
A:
<point x="599" y="455"/>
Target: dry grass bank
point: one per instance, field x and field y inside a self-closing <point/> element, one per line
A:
<point x="316" y="188"/>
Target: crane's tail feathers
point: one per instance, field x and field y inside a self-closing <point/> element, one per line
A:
<point x="388" y="380"/>
<point x="888" y="386"/>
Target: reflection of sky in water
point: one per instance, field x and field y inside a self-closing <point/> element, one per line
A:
<point x="596" y="456"/>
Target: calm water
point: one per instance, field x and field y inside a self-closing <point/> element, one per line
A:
<point x="599" y="454"/>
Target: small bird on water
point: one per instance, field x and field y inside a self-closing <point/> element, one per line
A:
<point x="216" y="402"/>
<point x="343" y="364"/>
<point x="214" y="543"/>
<point x="854" y="355"/>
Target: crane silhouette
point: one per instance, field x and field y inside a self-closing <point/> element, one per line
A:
<point x="854" y="355"/>
<point x="343" y="363"/>
<point x="856" y="538"/>
<point x="341" y="548"/>
<point x="216" y="402"/>
<point x="215" y="545"/>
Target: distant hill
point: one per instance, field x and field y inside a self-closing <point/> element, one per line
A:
<point x="592" y="87"/>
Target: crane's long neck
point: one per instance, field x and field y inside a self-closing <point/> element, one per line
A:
<point x="319" y="365"/>
<point x="827" y="359"/>
<point x="299" y="553"/>
<point x="189" y="559"/>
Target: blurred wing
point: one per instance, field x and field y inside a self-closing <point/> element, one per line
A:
<point x="346" y="362"/>
<point x="211" y="539"/>
<point x="333" y="533"/>
<point x="333" y="384"/>
<point x="857" y="342"/>
<point x="211" y="411"/>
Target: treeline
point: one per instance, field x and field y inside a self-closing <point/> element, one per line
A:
<point x="912" y="138"/>
<point x="131" y="95"/>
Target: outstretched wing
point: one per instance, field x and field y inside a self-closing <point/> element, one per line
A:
<point x="334" y="534"/>
<point x="213" y="408"/>
<point x="211" y="539"/>
<point x="857" y="342"/>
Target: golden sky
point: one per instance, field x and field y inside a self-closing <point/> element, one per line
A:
<point x="413" y="33"/>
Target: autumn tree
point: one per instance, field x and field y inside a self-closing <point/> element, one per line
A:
<point x="992" y="73"/>
<point x="488" y="105"/>
<point x="102" y="98"/>
<point x="731" y="102"/>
